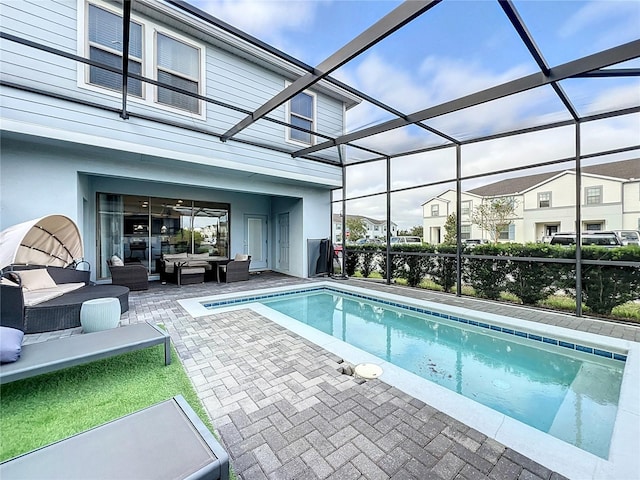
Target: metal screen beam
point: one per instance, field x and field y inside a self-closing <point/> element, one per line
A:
<point x="384" y="27"/>
<point x="126" y="28"/>
<point x="612" y="56"/>
<point x="611" y="72"/>
<point x="527" y="38"/>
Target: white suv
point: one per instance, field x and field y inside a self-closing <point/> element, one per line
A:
<point x="629" y="237"/>
<point x="406" y="241"/>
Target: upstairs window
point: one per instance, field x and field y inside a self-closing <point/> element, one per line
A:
<point x="301" y="114"/>
<point x="593" y="195"/>
<point x="105" y="46"/>
<point x="154" y="52"/>
<point x="465" y="208"/>
<point x="465" y="232"/>
<point x="178" y="65"/>
<point x="544" y="199"/>
<point x="435" y="210"/>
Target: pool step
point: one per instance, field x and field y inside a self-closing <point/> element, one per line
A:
<point x="577" y="420"/>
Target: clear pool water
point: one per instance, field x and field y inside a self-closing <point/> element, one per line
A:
<point x="568" y="394"/>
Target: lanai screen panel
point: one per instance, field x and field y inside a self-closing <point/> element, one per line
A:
<point x="423" y="168"/>
<point x="522" y="150"/>
<point x="405" y="139"/>
<point x="577" y="26"/>
<point x="610" y="134"/>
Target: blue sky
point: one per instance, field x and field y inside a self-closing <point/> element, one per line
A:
<point x="458" y="47"/>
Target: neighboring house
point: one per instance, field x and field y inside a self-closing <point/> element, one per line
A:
<point x="374" y="228"/>
<point x="161" y="180"/>
<point x="610" y="200"/>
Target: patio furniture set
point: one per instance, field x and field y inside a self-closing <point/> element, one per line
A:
<point x="189" y="268"/>
<point x="41" y="290"/>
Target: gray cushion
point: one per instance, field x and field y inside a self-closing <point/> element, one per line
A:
<point x="10" y="344"/>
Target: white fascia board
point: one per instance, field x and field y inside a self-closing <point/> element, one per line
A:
<point x="95" y="141"/>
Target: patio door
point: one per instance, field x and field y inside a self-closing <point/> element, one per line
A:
<point x="283" y="242"/>
<point x="255" y="240"/>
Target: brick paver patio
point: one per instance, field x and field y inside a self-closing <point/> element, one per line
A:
<point x="284" y="411"/>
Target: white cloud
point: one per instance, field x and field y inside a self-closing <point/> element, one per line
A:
<point x="616" y="22"/>
<point x="267" y="20"/>
<point x="600" y="14"/>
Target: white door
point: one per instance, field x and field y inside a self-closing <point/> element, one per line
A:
<point x="283" y="242"/>
<point x="255" y="240"/>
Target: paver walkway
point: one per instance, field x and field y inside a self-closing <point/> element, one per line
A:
<point x="283" y="411"/>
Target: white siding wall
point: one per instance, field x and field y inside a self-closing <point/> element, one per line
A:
<point x="631" y="213"/>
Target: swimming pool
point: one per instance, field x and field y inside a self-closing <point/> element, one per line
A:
<point x="548" y="380"/>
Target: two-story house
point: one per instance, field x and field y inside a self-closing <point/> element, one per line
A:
<point x="545" y="203"/>
<point x="374" y="229"/>
<point x="156" y="170"/>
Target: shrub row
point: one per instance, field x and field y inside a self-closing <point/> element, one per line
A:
<point x="603" y="286"/>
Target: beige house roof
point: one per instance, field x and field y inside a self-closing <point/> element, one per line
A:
<point x="338" y="218"/>
<point x="624" y="170"/>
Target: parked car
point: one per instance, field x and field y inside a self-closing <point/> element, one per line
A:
<point x="629" y="237"/>
<point x="474" y="241"/>
<point x="600" y="238"/>
<point x="369" y="241"/>
<point x="404" y="240"/>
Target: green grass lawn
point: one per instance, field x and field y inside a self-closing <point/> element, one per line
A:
<point x="40" y="410"/>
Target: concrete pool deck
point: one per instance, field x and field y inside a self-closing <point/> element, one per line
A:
<point x="283" y="410"/>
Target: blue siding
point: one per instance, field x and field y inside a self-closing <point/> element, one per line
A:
<point x="229" y="78"/>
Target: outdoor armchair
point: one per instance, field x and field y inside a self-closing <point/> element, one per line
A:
<point x="236" y="270"/>
<point x="132" y="275"/>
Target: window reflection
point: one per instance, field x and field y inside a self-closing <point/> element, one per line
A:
<point x="141" y="229"/>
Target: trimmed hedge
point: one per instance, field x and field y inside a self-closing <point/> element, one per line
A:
<point x="603" y="286"/>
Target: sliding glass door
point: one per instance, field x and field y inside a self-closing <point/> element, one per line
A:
<point x="140" y="229"/>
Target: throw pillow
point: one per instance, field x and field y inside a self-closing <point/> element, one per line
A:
<point x="36" y="279"/>
<point x="10" y="344"/>
<point x="116" y="261"/>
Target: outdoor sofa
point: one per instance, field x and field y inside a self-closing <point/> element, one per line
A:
<point x="164" y="441"/>
<point x="54" y="307"/>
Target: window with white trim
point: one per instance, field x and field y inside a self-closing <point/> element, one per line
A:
<point x="178" y="65"/>
<point x="465" y="232"/>
<point x="593" y="226"/>
<point x="435" y="210"/>
<point x="544" y="199"/>
<point x="465" y="208"/>
<point x="593" y="195"/>
<point x="507" y="231"/>
<point x="154" y="52"/>
<point x="302" y="114"/>
<point x="105" y="46"/>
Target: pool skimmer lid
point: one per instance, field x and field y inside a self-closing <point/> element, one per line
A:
<point x="368" y="371"/>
